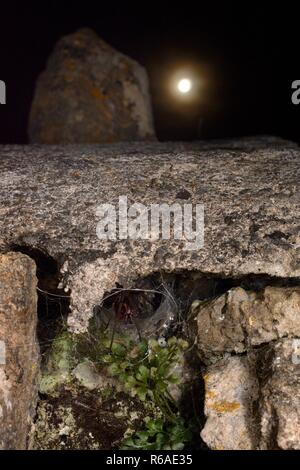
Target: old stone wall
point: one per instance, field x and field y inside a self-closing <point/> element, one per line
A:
<point x="19" y="351"/>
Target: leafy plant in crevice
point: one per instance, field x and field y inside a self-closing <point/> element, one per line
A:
<point x="147" y="369"/>
<point x="160" y="434"/>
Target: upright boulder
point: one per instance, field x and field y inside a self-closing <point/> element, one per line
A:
<point x="19" y="352"/>
<point x="90" y="93"/>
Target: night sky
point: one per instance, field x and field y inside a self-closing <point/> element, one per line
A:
<point x="246" y="53"/>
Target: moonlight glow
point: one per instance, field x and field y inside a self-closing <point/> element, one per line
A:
<point x="184" y="85"/>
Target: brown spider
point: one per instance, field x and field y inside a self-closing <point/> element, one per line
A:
<point x="130" y="304"/>
<point x="126" y="306"/>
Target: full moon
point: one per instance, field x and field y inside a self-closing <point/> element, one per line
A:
<point x="184" y="85"/>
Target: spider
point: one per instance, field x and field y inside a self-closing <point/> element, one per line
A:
<point x="130" y="304"/>
<point x="127" y="305"/>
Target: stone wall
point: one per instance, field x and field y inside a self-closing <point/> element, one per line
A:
<point x="250" y="190"/>
<point x="19" y="351"/>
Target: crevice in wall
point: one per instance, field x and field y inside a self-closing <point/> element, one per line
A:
<point x="53" y="302"/>
<point x="156" y="305"/>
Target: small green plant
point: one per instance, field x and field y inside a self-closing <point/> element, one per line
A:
<point x="146" y="369"/>
<point x="160" y="435"/>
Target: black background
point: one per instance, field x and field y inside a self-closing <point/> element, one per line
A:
<point x="200" y="460"/>
<point x="248" y="50"/>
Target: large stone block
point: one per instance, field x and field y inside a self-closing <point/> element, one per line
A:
<point x="49" y="197"/>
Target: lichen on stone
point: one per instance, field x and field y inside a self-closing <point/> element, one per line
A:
<point x="57" y="370"/>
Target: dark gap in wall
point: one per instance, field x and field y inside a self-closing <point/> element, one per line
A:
<point x="53" y="302"/>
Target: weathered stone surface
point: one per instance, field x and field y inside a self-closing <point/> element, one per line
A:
<point x="90" y="93"/>
<point x="280" y="397"/>
<point x="240" y="319"/>
<point x="250" y="191"/>
<point x="19" y="360"/>
<point x="268" y="377"/>
<point x="231" y="390"/>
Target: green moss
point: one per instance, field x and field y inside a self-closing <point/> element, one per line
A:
<point x="59" y="364"/>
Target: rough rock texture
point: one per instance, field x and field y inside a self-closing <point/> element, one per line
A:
<point x="250" y="191"/>
<point x="231" y="390"/>
<point x="239" y="319"/>
<point x="90" y="93"/>
<point x="280" y="397"/>
<point x="20" y="355"/>
<point x="265" y="326"/>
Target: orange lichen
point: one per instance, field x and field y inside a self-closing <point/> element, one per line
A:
<point x="205" y="377"/>
<point x="96" y="93"/>
<point x="210" y="394"/>
<point x="224" y="406"/>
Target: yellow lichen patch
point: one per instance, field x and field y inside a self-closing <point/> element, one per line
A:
<point x="225" y="406"/>
<point x="205" y="377"/>
<point x="210" y="394"/>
